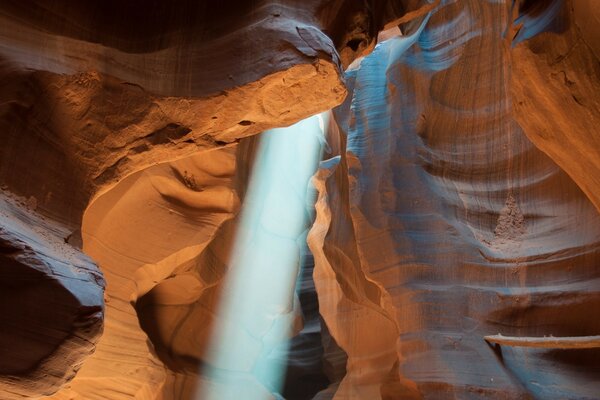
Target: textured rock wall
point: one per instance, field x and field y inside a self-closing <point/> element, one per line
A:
<point x="569" y="69"/>
<point x="51" y="303"/>
<point x="439" y="222"/>
<point x="93" y="93"/>
<point x="456" y="198"/>
<point x="102" y="123"/>
<point x="165" y="266"/>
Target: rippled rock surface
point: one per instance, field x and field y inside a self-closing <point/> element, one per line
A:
<point x="457" y="197"/>
<point x="440" y="222"/>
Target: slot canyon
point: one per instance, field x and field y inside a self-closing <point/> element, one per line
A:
<point x="299" y="199"/>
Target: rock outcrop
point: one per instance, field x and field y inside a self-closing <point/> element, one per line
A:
<point x="457" y="198"/>
<point x="93" y="94"/>
<point x="108" y="104"/>
<point x="51" y="303"/>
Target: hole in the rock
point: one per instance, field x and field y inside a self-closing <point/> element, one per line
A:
<point x="155" y="322"/>
<point x="354" y="44"/>
<point x="304" y="376"/>
<point x="245" y="122"/>
<point x="169" y="133"/>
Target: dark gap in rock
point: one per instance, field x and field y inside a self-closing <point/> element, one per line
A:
<point x="304" y="370"/>
<point x="354" y="44"/>
<point x="170" y="132"/>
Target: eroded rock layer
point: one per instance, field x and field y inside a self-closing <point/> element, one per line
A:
<point x="439" y="222"/>
<point x="149" y="265"/>
<point x="458" y="196"/>
<point x="91" y="94"/>
<point x="51" y="303"/>
<point x="108" y="104"/>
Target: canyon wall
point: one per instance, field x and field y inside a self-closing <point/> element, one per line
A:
<point x="457" y="197"/>
<point x="439" y="222"/>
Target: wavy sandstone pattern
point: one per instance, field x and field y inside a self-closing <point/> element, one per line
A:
<point x="464" y="223"/>
<point x="458" y="197"/>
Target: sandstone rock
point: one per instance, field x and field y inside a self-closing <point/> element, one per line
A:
<point x="109" y="103"/>
<point x="455" y="200"/>
<point x="559" y="76"/>
<point x="89" y="100"/>
<point x="442" y="223"/>
<point x="51" y="304"/>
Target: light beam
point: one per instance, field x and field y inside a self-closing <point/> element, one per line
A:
<point x="257" y="307"/>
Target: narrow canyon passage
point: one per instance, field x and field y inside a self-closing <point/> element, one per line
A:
<point x="316" y="200"/>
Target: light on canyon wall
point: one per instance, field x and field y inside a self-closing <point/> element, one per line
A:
<point x="257" y="308"/>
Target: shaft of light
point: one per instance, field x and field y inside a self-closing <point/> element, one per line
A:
<point x="256" y="310"/>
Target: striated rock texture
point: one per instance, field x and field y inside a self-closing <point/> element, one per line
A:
<point x="458" y="197"/>
<point x="439" y="222"/>
<point x="108" y="102"/>
<point x="162" y="265"/>
<point x="93" y="93"/>
<point x="51" y="303"/>
<point x="569" y="69"/>
<point x="97" y="102"/>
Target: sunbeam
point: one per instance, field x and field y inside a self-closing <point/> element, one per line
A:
<point x="257" y="311"/>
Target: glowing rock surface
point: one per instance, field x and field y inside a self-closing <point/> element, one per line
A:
<point x="456" y="199"/>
